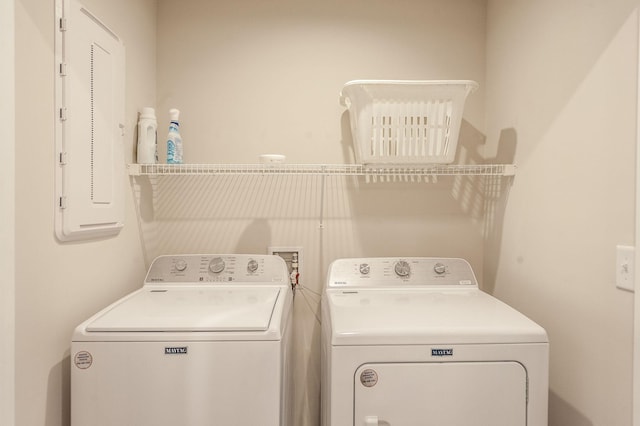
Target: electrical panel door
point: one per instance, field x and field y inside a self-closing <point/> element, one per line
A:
<point x="90" y="176"/>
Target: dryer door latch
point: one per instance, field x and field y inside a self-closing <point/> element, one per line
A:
<point x="371" y="421"/>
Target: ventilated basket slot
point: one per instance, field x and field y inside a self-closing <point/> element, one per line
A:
<point x="405" y="122"/>
<point x="413" y="130"/>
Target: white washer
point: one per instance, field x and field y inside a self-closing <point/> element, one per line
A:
<point x="205" y="341"/>
<point x="414" y="341"/>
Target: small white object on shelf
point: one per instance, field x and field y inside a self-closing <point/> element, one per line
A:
<point x="406" y="122"/>
<point x="272" y="158"/>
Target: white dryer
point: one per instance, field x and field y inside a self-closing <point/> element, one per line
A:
<point x="205" y="341"/>
<point x="415" y="342"/>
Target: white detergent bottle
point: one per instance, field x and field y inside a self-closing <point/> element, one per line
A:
<point x="147" y="137"/>
<point x="174" y="140"/>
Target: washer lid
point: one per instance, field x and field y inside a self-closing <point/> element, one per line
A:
<point x="408" y="316"/>
<point x="190" y="309"/>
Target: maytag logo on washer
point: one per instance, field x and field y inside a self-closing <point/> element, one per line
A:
<point x="175" y="350"/>
<point x="442" y="352"/>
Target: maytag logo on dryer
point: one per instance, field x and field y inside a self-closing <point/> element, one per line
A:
<point x="175" y="350"/>
<point x="442" y="352"/>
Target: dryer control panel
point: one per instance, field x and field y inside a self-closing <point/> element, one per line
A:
<point x="217" y="268"/>
<point x="398" y="272"/>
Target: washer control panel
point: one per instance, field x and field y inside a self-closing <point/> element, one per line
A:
<point x="217" y="268"/>
<point x="392" y="272"/>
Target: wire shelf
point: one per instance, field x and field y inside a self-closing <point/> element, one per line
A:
<point x="319" y="169"/>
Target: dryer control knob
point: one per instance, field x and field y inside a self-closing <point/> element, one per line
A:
<point x="252" y="266"/>
<point x="402" y="268"/>
<point x="216" y="265"/>
<point x="365" y="268"/>
<point x="439" y="268"/>
<point x="181" y="265"/>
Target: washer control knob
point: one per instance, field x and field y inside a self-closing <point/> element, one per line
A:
<point x="402" y="268"/>
<point x="439" y="268"/>
<point x="252" y="266"/>
<point x="216" y="265"/>
<point x="365" y="268"/>
<point x="181" y="265"/>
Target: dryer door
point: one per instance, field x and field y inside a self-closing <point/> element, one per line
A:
<point x="442" y="394"/>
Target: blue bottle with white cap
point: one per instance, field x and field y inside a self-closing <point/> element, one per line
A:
<point x="174" y="140"/>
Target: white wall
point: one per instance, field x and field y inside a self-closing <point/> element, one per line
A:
<point x="7" y="214"/>
<point x="254" y="77"/>
<point x="60" y="285"/>
<point x="561" y="89"/>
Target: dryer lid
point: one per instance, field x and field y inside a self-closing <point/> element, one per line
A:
<point x="410" y="316"/>
<point x="193" y="309"/>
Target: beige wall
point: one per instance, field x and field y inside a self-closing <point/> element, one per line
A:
<point x="7" y="213"/>
<point x="561" y="88"/>
<point x="254" y="77"/>
<point x="59" y="285"/>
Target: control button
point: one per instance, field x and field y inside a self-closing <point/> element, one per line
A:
<point x="402" y="268"/>
<point x="216" y="265"/>
<point x="252" y="266"/>
<point x="439" y="268"/>
<point x="181" y="265"/>
<point x="365" y="268"/>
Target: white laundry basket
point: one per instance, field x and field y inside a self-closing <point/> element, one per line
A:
<point x="401" y="122"/>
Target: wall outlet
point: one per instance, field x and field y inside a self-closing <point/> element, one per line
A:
<point x="625" y="267"/>
<point x="293" y="257"/>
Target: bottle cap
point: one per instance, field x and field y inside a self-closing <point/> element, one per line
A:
<point x="174" y="114"/>
<point x="147" y="112"/>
